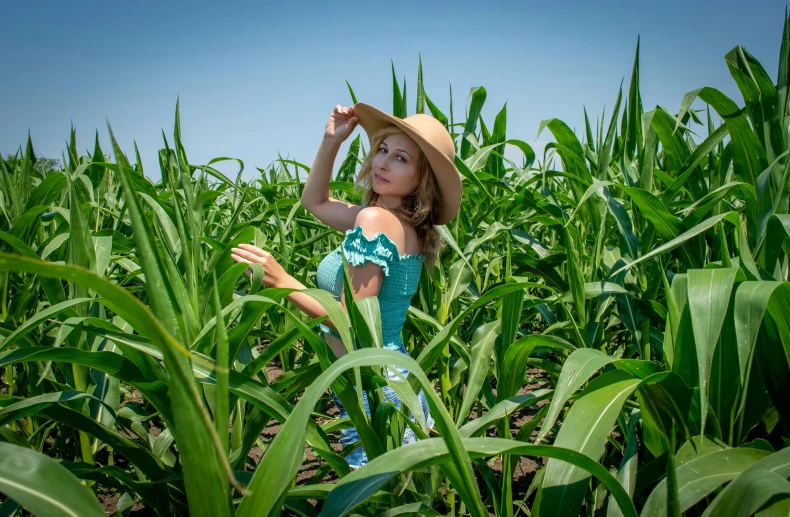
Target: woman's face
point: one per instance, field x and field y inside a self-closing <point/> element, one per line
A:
<point x="395" y="167"/>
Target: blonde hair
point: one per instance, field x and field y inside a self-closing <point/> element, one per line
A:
<point x="418" y="208"/>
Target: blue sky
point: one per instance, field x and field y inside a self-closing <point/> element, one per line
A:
<point x="255" y="78"/>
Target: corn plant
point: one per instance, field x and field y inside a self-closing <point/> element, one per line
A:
<point x="628" y="290"/>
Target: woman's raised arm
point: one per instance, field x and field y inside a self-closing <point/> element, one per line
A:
<point x="315" y="196"/>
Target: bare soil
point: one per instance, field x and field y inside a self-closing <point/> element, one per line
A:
<point x="524" y="469"/>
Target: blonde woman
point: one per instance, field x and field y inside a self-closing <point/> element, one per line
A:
<point x="410" y="185"/>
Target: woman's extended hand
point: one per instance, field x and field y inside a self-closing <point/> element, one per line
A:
<point x="341" y="123"/>
<point x="273" y="273"/>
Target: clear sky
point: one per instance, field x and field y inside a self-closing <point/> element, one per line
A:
<point x="258" y="78"/>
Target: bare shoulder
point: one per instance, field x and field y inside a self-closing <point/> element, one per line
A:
<point x="374" y="219"/>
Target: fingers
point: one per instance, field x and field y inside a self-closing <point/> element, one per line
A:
<point x="254" y="250"/>
<point x="248" y="271"/>
<point x="245" y="256"/>
<point x="343" y="112"/>
<point x="239" y="258"/>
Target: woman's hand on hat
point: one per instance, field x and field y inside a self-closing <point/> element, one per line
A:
<point x="273" y="273"/>
<point x="341" y="123"/>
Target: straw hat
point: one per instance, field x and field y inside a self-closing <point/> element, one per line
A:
<point x="437" y="145"/>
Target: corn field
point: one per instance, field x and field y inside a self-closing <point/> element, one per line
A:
<point x="615" y="313"/>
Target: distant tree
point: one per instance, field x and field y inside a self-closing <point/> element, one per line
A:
<point x="43" y="164"/>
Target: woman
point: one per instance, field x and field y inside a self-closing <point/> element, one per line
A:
<point x="411" y="184"/>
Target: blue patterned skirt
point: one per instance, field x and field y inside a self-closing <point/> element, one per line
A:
<point x="357" y="457"/>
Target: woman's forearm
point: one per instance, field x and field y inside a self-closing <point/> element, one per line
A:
<point x="312" y="308"/>
<point x="307" y="303"/>
<point x="316" y="189"/>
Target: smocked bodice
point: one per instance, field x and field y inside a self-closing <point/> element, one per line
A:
<point x="401" y="278"/>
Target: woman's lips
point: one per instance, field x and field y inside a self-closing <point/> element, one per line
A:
<point x="380" y="179"/>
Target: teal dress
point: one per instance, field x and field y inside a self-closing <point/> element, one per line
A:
<point x="401" y="278"/>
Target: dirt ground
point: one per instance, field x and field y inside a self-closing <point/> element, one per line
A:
<point x="524" y="470"/>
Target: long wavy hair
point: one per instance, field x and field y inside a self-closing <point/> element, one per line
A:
<point x="419" y="207"/>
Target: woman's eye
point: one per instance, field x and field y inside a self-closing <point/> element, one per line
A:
<point x="382" y="149"/>
<point x="402" y="158"/>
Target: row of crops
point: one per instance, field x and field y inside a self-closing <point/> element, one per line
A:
<point x="634" y="276"/>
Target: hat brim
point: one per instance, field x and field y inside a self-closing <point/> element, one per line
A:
<point x="448" y="179"/>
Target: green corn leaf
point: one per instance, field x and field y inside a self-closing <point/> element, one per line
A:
<point x="604" y="153"/>
<point x="31" y="405"/>
<point x="773" y="352"/>
<point x="760" y="95"/>
<point x="482" y="353"/>
<point x="139" y="455"/>
<point x="589" y="421"/>
<point x="514" y="365"/>
<point x="221" y="369"/>
<point x="748" y="493"/>
<point x="269" y="483"/>
<point x="361" y="483"/>
<point x="43" y="486"/>
<point x="432" y="350"/>
<point x="502" y="409"/>
<point x="633" y="134"/>
<point x="575" y="277"/>
<point x="700" y="476"/>
<point x="107" y="362"/>
<point x="626" y="475"/>
<point x="187" y="408"/>
<point x="398" y="104"/>
<point x="459" y="278"/>
<point x="680" y="239"/>
<point x="478" y="94"/>
<point x="579" y="367"/>
<point x="708" y="298"/>
<point x="40" y="317"/>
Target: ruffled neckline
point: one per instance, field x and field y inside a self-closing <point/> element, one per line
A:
<point x="384" y="241"/>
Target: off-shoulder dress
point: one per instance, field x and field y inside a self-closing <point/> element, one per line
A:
<point x="401" y="278"/>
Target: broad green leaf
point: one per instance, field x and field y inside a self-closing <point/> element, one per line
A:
<point x="780" y="508"/>
<point x="489" y="234"/>
<point x="575" y="277"/>
<point x="137" y="454"/>
<point x="626" y="475"/>
<point x="283" y="457"/>
<point x="40" y="317"/>
<point x="43" y="486"/>
<point x="336" y="313"/>
<point x="514" y="365"/>
<point x="482" y="353"/>
<point x="589" y="422"/>
<point x="371" y="312"/>
<point x="478" y="95"/>
<point x="701" y="476"/>
<point x="596" y="289"/>
<point x="582" y="364"/>
<point x="774" y="352"/>
<point x="459" y="277"/>
<point x="680" y="239"/>
<point x="778" y="227"/>
<point x="667" y="225"/>
<point x="186" y="407"/>
<point x="31" y="405"/>
<point x="708" y="298"/>
<point x="751" y="302"/>
<point x="501" y="410"/>
<point x="748" y="493"/>
<point x="361" y="483"/>
<point x="432" y="350"/>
